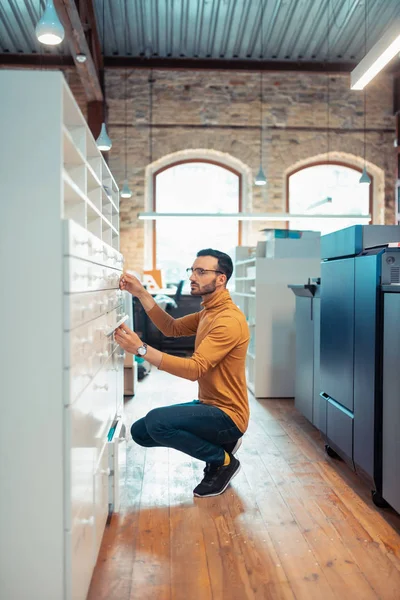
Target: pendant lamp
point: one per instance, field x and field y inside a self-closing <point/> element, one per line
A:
<point x="103" y="142"/>
<point x="49" y="30"/>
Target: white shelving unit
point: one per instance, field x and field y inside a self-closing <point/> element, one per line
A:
<point x="62" y="442"/>
<point x="262" y="294"/>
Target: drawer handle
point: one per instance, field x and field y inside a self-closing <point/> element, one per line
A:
<point x="84" y="341"/>
<point x="121" y="355"/>
<point x="102" y="354"/>
<point x="88" y="307"/>
<point x="79" y="242"/>
<point x="89" y="521"/>
<point x="100" y="387"/>
<point x="106" y="471"/>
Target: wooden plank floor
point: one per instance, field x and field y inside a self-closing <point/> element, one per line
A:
<point x="294" y="524"/>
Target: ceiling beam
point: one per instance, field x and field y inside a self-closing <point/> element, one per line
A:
<point x="199" y="64"/>
<point x="396" y="94"/>
<point x="92" y="35"/>
<point x="88" y="72"/>
<point x="35" y="61"/>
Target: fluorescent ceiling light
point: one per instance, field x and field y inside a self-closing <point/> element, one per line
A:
<point x="152" y="216"/>
<point x="377" y="58"/>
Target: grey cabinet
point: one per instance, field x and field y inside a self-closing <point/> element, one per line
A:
<point x="307" y="317"/>
<point x="391" y="401"/>
<point x="337" y="330"/>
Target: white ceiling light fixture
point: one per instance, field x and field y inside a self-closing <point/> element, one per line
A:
<point x="49" y="29"/>
<point x="103" y="142"/>
<point x="154" y="216"/>
<point x="377" y="58"/>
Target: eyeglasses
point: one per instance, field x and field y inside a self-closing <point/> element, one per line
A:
<point x="199" y="272"/>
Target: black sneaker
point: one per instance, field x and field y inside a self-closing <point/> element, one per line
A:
<point x="232" y="447"/>
<point x="217" y="478"/>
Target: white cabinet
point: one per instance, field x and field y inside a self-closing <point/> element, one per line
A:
<point x="61" y="385"/>
<point x="261" y="292"/>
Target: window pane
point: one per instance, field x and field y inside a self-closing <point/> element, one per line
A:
<point x="194" y="187"/>
<point x="179" y="241"/>
<point x="327" y="189"/>
<point x="197" y="187"/>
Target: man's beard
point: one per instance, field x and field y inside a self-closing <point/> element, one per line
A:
<point x="203" y="290"/>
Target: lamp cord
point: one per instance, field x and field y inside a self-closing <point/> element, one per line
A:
<point x="328" y="86"/>
<point x="261" y="85"/>
<point x="126" y="97"/>
<point x="151" y="115"/>
<point x="365" y="91"/>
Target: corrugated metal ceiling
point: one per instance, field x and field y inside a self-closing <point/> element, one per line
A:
<point x="217" y="29"/>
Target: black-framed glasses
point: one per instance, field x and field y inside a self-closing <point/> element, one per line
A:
<point x="198" y="271"/>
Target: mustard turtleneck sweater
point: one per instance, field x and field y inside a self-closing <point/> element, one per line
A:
<point x="218" y="362"/>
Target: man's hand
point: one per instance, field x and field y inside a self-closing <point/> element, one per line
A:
<point x="131" y="284"/>
<point x="127" y="339"/>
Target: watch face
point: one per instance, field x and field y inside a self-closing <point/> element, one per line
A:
<point x="142" y="350"/>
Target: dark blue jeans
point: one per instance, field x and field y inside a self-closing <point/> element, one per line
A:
<point x="194" y="428"/>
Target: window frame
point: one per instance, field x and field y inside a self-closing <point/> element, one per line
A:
<point x="186" y="161"/>
<point x="329" y="163"/>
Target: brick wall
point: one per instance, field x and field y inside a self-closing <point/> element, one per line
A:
<point x="77" y="89"/>
<point x="225" y="108"/>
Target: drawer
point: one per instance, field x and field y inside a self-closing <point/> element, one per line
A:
<point x="79" y="376"/>
<point x="103" y="390"/>
<point x="84" y="276"/>
<point x="119" y="359"/>
<point x="87" y="423"/>
<point x="80" y="243"/>
<point x="90" y="340"/>
<point x="339" y="429"/>
<point x="101" y="500"/>
<point x="80" y="458"/>
<point x="80" y="553"/>
<point x="83" y="307"/>
<point x="117" y="463"/>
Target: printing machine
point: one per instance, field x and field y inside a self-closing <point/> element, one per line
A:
<point x="356" y="262"/>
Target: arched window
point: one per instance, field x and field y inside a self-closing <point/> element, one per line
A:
<point x="193" y="186"/>
<point x="332" y="188"/>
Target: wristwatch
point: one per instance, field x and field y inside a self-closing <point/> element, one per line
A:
<point x="142" y="350"/>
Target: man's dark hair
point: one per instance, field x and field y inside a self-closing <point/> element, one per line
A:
<point x="224" y="261"/>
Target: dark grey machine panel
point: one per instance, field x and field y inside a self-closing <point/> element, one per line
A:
<point x="339" y="430"/>
<point x="337" y="330"/>
<point x="319" y="413"/>
<point x="366" y="368"/>
<point x="304" y="357"/>
<point x="391" y="401"/>
<point x="353" y="240"/>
